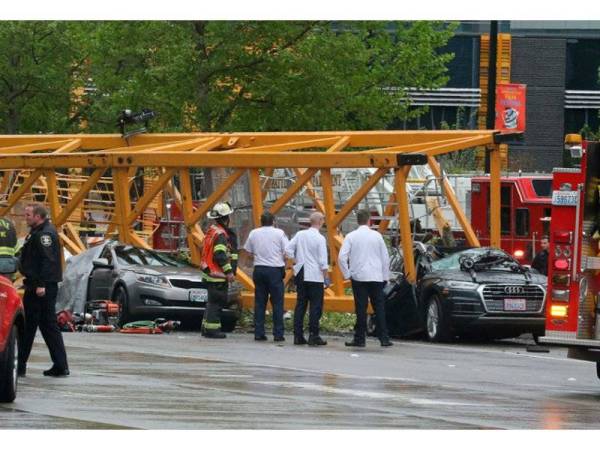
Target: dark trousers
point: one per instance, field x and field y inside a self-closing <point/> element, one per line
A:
<point x="217" y="300"/>
<point x="310" y="294"/>
<point x="41" y="311"/>
<point x="363" y="291"/>
<point x="268" y="281"/>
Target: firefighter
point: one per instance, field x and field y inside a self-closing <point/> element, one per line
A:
<point x="540" y="262"/>
<point x="8" y="238"/>
<point x="40" y="264"/>
<point x="219" y="263"/>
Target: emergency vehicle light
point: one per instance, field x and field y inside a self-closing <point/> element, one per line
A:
<point x="558" y="310"/>
<point x="519" y="253"/>
<point x="563" y="237"/>
<point x="562" y="264"/>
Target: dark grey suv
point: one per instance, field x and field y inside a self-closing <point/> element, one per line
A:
<point x="148" y="285"/>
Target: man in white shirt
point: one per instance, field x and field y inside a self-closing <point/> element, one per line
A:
<point x="308" y="248"/>
<point x="267" y="245"/>
<point x="365" y="260"/>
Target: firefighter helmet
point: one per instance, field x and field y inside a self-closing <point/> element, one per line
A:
<point x="220" y="210"/>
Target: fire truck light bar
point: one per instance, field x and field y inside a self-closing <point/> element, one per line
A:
<point x="558" y="310"/>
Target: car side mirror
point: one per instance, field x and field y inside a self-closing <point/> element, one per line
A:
<point x="8" y="265"/>
<point x="101" y="263"/>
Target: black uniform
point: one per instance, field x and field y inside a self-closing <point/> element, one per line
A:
<point x="40" y="264"/>
<point x="540" y="262"/>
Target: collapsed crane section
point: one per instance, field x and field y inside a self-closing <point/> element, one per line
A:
<point x="115" y="184"/>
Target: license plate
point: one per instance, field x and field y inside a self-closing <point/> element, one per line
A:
<point x="515" y="304"/>
<point x="198" y="295"/>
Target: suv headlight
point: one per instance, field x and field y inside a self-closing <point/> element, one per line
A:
<point x="154" y="279"/>
<point x="462" y="285"/>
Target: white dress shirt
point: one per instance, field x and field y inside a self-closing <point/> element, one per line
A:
<point x="267" y="245"/>
<point x="364" y="256"/>
<point x="308" y="248"/>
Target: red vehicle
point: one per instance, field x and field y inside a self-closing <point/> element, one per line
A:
<point x="12" y="326"/>
<point x="525" y="203"/>
<point x="572" y="312"/>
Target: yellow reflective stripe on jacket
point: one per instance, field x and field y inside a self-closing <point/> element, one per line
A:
<point x="7" y="251"/>
<point x="227" y="267"/>
<point x="220" y="248"/>
<point x="234" y="256"/>
<point x="210" y="279"/>
<point x="211" y="325"/>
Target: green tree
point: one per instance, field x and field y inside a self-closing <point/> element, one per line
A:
<point x="236" y="76"/>
<point x="38" y="61"/>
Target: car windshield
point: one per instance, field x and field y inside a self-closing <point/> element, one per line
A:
<point x="452" y="262"/>
<point x="133" y="256"/>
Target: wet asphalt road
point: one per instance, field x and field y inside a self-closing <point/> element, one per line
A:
<point x="182" y="381"/>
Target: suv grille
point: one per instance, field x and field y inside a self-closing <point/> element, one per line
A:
<point x="495" y="294"/>
<point x="187" y="284"/>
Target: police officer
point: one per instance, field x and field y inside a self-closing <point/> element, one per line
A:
<point x="40" y="264"/>
<point x="219" y="263"/>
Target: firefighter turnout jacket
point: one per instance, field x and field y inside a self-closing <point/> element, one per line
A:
<point x="40" y="260"/>
<point x="8" y="238"/>
<point x="219" y="253"/>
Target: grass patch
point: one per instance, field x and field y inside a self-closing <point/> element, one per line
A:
<point x="331" y="322"/>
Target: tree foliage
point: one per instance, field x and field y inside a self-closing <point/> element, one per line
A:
<point x="219" y="76"/>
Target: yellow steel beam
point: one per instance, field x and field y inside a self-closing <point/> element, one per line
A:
<point x="216" y="196"/>
<point x="358" y="138"/>
<point x="454" y="204"/>
<point x="404" y="224"/>
<point x="202" y="159"/>
<point x="69" y="244"/>
<point x="495" y="168"/>
<point x="188" y="208"/>
<point x="69" y="147"/>
<point x="301" y="180"/>
<point x="288" y="146"/>
<point x="32" y="147"/>
<point x="208" y="146"/>
<point x="178" y="147"/>
<point x="358" y="196"/>
<point x="122" y="203"/>
<point x="53" y="199"/>
<point x="72" y="233"/>
<point x="267" y="184"/>
<point x="79" y="196"/>
<point x="256" y="195"/>
<point x="460" y="145"/>
<point x="339" y="303"/>
<point x="150" y="194"/>
<point x="390" y="209"/>
<point x="14" y="198"/>
<point x="336" y="274"/>
<point x="422" y="145"/>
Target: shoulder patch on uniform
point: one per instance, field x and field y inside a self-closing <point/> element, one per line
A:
<point x="46" y="240"/>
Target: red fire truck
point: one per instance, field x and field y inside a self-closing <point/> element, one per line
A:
<point x="572" y="317"/>
<point x="524" y="215"/>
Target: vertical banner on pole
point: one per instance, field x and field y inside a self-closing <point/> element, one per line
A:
<point x="510" y="107"/>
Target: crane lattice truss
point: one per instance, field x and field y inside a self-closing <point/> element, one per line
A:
<point x="102" y="166"/>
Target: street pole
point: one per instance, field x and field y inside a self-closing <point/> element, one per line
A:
<point x="491" y="94"/>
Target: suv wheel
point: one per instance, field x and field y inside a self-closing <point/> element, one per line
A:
<point x="8" y="368"/>
<point x="436" y="324"/>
